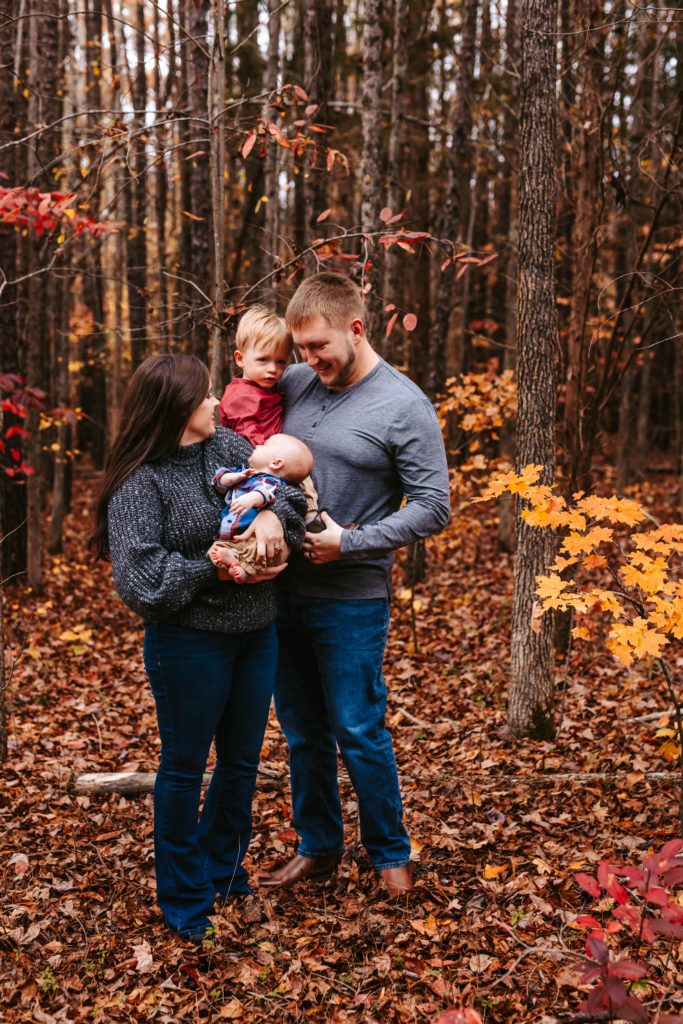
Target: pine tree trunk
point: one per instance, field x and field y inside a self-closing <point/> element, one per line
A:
<point x="371" y="164"/>
<point x="459" y="167"/>
<point x="531" y="692"/>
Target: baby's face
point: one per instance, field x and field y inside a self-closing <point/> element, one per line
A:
<point x="264" y="455"/>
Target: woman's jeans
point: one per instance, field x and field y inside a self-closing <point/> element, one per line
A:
<point x="206" y="686"/>
<point x="330" y="691"/>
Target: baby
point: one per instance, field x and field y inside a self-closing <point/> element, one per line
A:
<point x="247" y="490"/>
<point x="251" y="404"/>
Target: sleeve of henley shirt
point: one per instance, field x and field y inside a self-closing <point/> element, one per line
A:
<point x="420" y="458"/>
<point x="150" y="579"/>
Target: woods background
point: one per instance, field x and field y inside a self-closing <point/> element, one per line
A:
<point x="503" y="180"/>
<point x="217" y="152"/>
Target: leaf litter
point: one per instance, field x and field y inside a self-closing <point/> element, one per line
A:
<point x="498" y="831"/>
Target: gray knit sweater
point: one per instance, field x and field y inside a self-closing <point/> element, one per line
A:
<point x="162" y="521"/>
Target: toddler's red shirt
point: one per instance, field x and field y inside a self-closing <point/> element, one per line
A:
<point x="252" y="411"/>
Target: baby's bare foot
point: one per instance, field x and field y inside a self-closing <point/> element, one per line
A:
<point x="238" y="573"/>
<point x="222" y="556"/>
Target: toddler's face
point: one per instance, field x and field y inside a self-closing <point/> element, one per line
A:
<point x="263" y="368"/>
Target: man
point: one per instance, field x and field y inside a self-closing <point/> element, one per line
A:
<point x="375" y="439"/>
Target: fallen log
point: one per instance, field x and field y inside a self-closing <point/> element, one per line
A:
<point x="139" y="783"/>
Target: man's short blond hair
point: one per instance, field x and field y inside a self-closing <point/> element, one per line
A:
<point x="332" y="296"/>
<point x="260" y="328"/>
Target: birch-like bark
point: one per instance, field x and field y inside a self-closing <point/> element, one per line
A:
<point x="137" y="204"/>
<point x="371" y="165"/>
<point x="531" y="692"/>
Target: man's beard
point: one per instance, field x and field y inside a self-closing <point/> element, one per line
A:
<point x="345" y="371"/>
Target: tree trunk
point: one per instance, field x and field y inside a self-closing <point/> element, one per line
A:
<point x="270" y="246"/>
<point x="12" y="496"/>
<point x="201" y="229"/>
<point x="586" y="154"/>
<point x="530" y="699"/>
<point x="509" y="236"/>
<point x="395" y="160"/>
<point x="317" y="38"/>
<point x="137" y="205"/>
<point x="371" y="165"/>
<point x="459" y="168"/>
<point x="216" y="100"/>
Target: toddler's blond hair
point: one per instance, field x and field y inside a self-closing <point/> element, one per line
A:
<point x="260" y="328"/>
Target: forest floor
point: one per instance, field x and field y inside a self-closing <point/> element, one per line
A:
<point x="498" y="829"/>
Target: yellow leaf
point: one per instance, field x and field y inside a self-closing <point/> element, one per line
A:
<point x="671" y="751"/>
<point x="69" y="634"/>
<point x="580" y="633"/>
<point x="494" y="870"/>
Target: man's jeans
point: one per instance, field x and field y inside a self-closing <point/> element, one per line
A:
<point x="329" y="690"/>
<point x="205" y="685"/>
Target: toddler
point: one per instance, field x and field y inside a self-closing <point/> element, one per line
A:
<point x="251" y="404"/>
<point x="247" y="490"/>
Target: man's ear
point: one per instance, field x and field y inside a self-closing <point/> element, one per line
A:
<point x="239" y="358"/>
<point x="358" y="328"/>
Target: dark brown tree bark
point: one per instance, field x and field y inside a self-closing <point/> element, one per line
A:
<point x="587" y="161"/>
<point x="201" y="229"/>
<point x="453" y="223"/>
<point x="12" y="496"/>
<point x="530" y="698"/>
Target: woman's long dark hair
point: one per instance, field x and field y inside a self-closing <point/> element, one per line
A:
<point x="161" y="396"/>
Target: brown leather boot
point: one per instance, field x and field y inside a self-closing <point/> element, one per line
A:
<point x="397" y="880"/>
<point x="298" y="869"/>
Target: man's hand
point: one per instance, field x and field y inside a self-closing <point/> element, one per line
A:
<point x="246" y="501"/>
<point x="326" y="546"/>
<point x="270" y="537"/>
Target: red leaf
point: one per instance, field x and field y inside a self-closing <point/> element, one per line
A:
<point x="598" y="950"/>
<point x="588" y="883"/>
<point x="248" y="144"/>
<point x="409" y="322"/>
<point x="385" y="214"/>
<point x="390" y="325"/>
<point x="608" y="881"/>
<point x="388" y="309"/>
<point x="324" y="215"/>
<point x="627" y="969"/>
<point x="671" y="849"/>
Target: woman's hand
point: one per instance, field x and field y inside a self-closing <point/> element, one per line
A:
<point x="270" y="537"/>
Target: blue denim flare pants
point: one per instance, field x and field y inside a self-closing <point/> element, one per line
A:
<point x="207" y="687"/>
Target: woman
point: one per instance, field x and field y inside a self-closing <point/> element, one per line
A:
<point x="210" y="649"/>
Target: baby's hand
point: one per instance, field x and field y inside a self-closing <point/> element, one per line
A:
<point x="246" y="501"/>
<point x="231" y="479"/>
